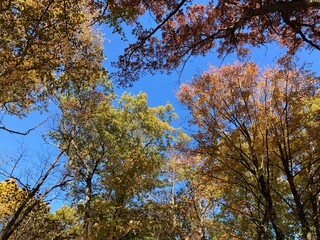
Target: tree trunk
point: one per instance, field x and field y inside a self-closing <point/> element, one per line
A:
<point x="270" y="213"/>
<point x="316" y="213"/>
<point x="87" y="208"/>
<point x="297" y="200"/>
<point x="299" y="208"/>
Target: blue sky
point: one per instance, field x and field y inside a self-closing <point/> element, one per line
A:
<point x="160" y="89"/>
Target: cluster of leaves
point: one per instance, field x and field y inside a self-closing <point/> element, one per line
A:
<point x="116" y="148"/>
<point x="53" y="43"/>
<point x="184" y="29"/>
<point x="10" y="198"/>
<point x="256" y="132"/>
<point x="50" y="48"/>
<point x="36" y="224"/>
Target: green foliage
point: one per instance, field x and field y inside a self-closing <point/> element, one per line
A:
<point x="117" y="148"/>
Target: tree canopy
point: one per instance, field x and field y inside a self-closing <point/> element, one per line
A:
<point x="256" y="135"/>
<point x="248" y="170"/>
<point x="46" y="46"/>
<point x="184" y="29"/>
<point x="115" y="157"/>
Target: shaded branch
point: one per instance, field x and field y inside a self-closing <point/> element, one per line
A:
<point x="22" y="133"/>
<point x="142" y="42"/>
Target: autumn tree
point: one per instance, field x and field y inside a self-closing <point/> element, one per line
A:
<point x="24" y="198"/>
<point x="25" y="217"/>
<point x="184" y="28"/>
<point x="54" y="42"/>
<point x="256" y="132"/>
<point x="39" y="223"/>
<point x="45" y="47"/>
<point x="191" y="199"/>
<point x="117" y="148"/>
<point x="68" y="222"/>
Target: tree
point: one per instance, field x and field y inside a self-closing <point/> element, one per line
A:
<point x="192" y="198"/>
<point x="55" y="37"/>
<point x="20" y="206"/>
<point x="254" y="130"/>
<point x="33" y="222"/>
<point x="51" y="48"/>
<point x="115" y="156"/>
<point x="10" y="198"/>
<point x="67" y="218"/>
<point x="184" y="29"/>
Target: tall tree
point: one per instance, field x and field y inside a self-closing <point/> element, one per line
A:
<point x="55" y="36"/>
<point x="192" y="199"/>
<point x="256" y="131"/>
<point x="115" y="156"/>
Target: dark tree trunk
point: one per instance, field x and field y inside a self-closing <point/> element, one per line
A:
<point x="87" y="208"/>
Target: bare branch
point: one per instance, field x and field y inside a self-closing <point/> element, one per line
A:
<point x="22" y="133"/>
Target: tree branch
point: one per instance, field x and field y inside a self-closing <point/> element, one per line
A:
<point x="158" y="27"/>
<point x="22" y="133"/>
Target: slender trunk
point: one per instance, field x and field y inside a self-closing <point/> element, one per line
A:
<point x="261" y="232"/>
<point x="270" y="213"/>
<point x="299" y="208"/>
<point x="297" y="200"/>
<point x="316" y="213"/>
<point x="314" y="199"/>
<point x="262" y="226"/>
<point x="173" y="202"/>
<point x="16" y="220"/>
<point x="87" y="209"/>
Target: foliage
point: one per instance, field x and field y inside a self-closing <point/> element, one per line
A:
<point x="254" y="133"/>
<point x="67" y="220"/>
<point x="58" y="33"/>
<point x="253" y="170"/>
<point x="36" y="224"/>
<point x="51" y="47"/>
<point x="10" y="197"/>
<point x="184" y="29"/>
<point x="116" y="150"/>
<point x="190" y="200"/>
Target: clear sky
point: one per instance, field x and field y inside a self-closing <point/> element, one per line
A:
<point x="160" y="89"/>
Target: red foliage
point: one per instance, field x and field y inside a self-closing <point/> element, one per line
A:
<point x="189" y="29"/>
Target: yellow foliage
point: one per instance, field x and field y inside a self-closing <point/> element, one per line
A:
<point x="51" y="48"/>
<point x="11" y="196"/>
